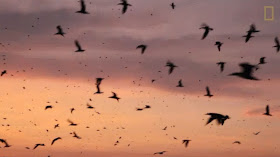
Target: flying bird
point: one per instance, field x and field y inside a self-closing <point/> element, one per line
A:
<point x="125" y="5"/>
<point x="257" y="133"/>
<point x="58" y="138"/>
<point x="47" y="107"/>
<point x="262" y="60"/>
<point x="79" y="48"/>
<point x="222" y="65"/>
<point x="277" y="46"/>
<point x="267" y="111"/>
<point x="250" y="32"/>
<point x="98" y="83"/>
<point x="37" y="145"/>
<point x="180" y="84"/>
<point x="218" y="117"/>
<point x="89" y="106"/>
<point x="76" y="136"/>
<point x="186" y="142"/>
<point x="59" y="31"/>
<point x="160" y="153"/>
<point x="171" y="66"/>
<point x="247" y="71"/>
<point x="140" y="109"/>
<point x="115" y="96"/>
<point x="236" y="142"/>
<point x="3" y="72"/>
<point x="208" y="93"/>
<point x="142" y="47"/>
<point x="172" y="5"/>
<point x="219" y="44"/>
<point x="5" y="142"/>
<point x="207" y="29"/>
<point x="83" y="8"/>
<point x="72" y="109"/>
<point x="71" y="123"/>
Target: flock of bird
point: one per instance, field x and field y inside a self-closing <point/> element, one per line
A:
<point x="246" y="72"/>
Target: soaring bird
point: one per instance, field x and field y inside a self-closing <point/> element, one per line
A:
<point x="222" y="65"/>
<point x="98" y="83"/>
<point x="216" y="116"/>
<point x="180" y="84"/>
<point x="142" y="47"/>
<point x="277" y="46"/>
<point x="71" y="123"/>
<point x="37" y="145"/>
<point x="3" y="72"/>
<point x="72" y="109"/>
<point x="160" y="153"/>
<point x="250" y="32"/>
<point x="207" y="29"/>
<point x="236" y="142"/>
<point x="83" y="8"/>
<point x="267" y="112"/>
<point x="219" y="44"/>
<point x="186" y="142"/>
<point x="247" y="71"/>
<point x="59" y="31"/>
<point x="257" y="133"/>
<point x="262" y="60"/>
<point x="172" y="5"/>
<point x="76" y="136"/>
<point x="125" y="5"/>
<point x="89" y="106"/>
<point x="208" y="93"/>
<point x="115" y="96"/>
<point x="171" y="66"/>
<point x="5" y="142"/>
<point x="79" y="48"/>
<point x="47" y="107"/>
<point x="58" y="138"/>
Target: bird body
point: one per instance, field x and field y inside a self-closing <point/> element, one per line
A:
<point x="207" y="29"/>
<point x="218" y="117"/>
<point x="267" y="111"/>
<point x="277" y="46"/>
<point x="98" y="83"/>
<point x="222" y="65"/>
<point x="115" y="96"/>
<point x="247" y="71"/>
<point x="171" y="66"/>
<point x="125" y="5"/>
<point x="208" y="93"/>
<point x="142" y="47"/>
<point x="219" y="44"/>
<point x="180" y="84"/>
<point x="79" y="48"/>
<point x="83" y="8"/>
<point x="59" y="31"/>
<point x="186" y="142"/>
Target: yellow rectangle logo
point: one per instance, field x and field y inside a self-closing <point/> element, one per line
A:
<point x="266" y="13"/>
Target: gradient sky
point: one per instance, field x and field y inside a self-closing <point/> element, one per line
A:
<point x="50" y="71"/>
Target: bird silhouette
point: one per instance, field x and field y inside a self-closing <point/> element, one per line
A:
<point x="180" y="84"/>
<point x="48" y="107"/>
<point x="142" y="47"/>
<point x="72" y="109"/>
<point x="76" y="136"/>
<point x="262" y="60"/>
<point x="59" y="31"/>
<point x="222" y="66"/>
<point x="79" y="48"/>
<point x="5" y="142"/>
<point x="172" y="5"/>
<point x="71" y="123"/>
<point x="186" y="142"/>
<point x="89" y="106"/>
<point x="160" y="153"/>
<point x="208" y="93"/>
<point x="171" y="66"/>
<point x="277" y="46"/>
<point x="267" y="111"/>
<point x="236" y="142"/>
<point x="247" y="71"/>
<point x="218" y="117"/>
<point x="3" y="72"/>
<point x="58" y="138"/>
<point x="207" y="29"/>
<point x="98" y="83"/>
<point x="250" y="32"/>
<point x="141" y="109"/>
<point x="257" y="133"/>
<point x="83" y="8"/>
<point x="37" y="145"/>
<point x="115" y="96"/>
<point x="219" y="44"/>
<point x="125" y="5"/>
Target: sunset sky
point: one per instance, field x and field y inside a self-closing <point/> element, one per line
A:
<point x="44" y="69"/>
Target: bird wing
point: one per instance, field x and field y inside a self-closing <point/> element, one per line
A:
<point x="276" y="40"/>
<point x="210" y="120"/>
<point x="208" y="91"/>
<point x="78" y="45"/>
<point x="83" y="5"/>
<point x="267" y="109"/>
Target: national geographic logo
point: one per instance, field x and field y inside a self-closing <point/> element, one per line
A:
<point x="268" y="13"/>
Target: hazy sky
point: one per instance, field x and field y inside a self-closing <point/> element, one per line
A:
<point x="42" y="67"/>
